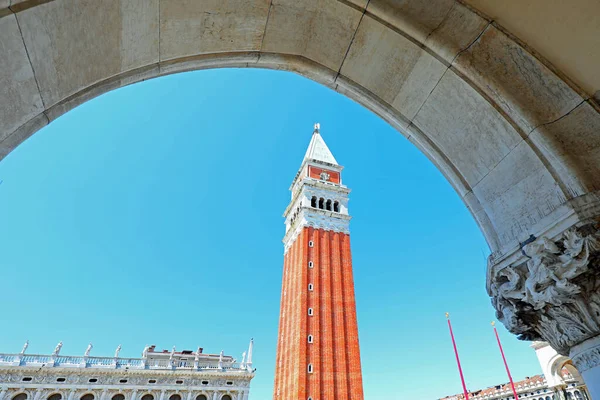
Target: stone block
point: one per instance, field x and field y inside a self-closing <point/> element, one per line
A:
<point x="518" y="194"/>
<point x="299" y="65"/>
<point x="525" y="89"/>
<point x="191" y="27"/>
<point x="456" y="32"/>
<point x="76" y="43"/>
<point x="320" y="30"/>
<point x="208" y="61"/>
<point x="466" y="128"/>
<point x="392" y="67"/>
<point x="572" y="146"/>
<point x="19" y="95"/>
<point x="368" y="100"/>
<point x="10" y="142"/>
<point x="438" y="158"/>
<point x="416" y="18"/>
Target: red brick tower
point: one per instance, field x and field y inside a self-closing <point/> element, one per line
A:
<point x="318" y="355"/>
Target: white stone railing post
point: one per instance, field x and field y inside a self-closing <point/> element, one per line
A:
<point x="133" y="394"/>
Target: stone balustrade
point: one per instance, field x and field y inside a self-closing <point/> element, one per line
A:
<point x="33" y="360"/>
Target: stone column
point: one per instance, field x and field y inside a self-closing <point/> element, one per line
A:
<point x="550" y="291"/>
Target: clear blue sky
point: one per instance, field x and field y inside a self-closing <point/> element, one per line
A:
<point x="153" y="215"/>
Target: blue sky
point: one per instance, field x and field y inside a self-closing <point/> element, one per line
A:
<point x="153" y="215"/>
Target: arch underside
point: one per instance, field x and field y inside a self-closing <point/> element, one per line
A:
<point x="517" y="140"/>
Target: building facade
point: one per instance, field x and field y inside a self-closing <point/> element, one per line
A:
<point x="157" y="375"/>
<point x="560" y="381"/>
<point x="318" y="355"/>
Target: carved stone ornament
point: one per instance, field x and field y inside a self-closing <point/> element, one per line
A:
<point x="554" y="296"/>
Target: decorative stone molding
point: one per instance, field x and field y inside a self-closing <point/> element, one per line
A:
<point x="554" y="295"/>
<point x="586" y="355"/>
<point x="317" y="219"/>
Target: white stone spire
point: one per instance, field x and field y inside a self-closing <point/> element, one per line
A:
<point x="249" y="360"/>
<point x="318" y="150"/>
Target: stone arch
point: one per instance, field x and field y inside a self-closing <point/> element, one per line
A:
<point x="147" y="396"/>
<point x="20" y="396"/>
<point x="475" y="116"/>
<point x="87" y="396"/>
<point x="55" y="396"/>
<point x="515" y="137"/>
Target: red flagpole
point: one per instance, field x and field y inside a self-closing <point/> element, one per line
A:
<point x="462" y="379"/>
<point x="512" y="385"/>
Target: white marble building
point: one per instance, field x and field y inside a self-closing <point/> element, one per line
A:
<point x="157" y="375"/>
<point x="559" y="380"/>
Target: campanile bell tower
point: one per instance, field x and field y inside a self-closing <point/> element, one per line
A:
<point x="318" y="356"/>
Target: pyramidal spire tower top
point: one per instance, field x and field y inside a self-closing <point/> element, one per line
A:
<point x="318" y="150"/>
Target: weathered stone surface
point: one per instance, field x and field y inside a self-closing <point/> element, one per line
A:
<point x="101" y="87"/>
<point x="299" y="65"/>
<point x="191" y="27"/>
<point x="208" y="61"/>
<point x="392" y="67"/>
<point x="10" y="142"/>
<point x="572" y="144"/>
<point x="74" y="44"/>
<point x="518" y="193"/>
<point x="467" y="129"/>
<point x="320" y="30"/>
<point x="19" y="97"/>
<point x="414" y="17"/>
<point x="458" y="30"/>
<point x="523" y="87"/>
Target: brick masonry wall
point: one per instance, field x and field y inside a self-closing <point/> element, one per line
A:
<point x="334" y="353"/>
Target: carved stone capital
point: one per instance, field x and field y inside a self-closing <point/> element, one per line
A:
<point x="554" y="294"/>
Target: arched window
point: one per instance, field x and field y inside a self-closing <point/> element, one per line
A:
<point x="311" y="244"/>
<point x="87" y="396"/>
<point x="321" y="203"/>
<point x="547" y="397"/>
<point x="336" y="206"/>
<point x="175" y="397"/>
<point x="147" y="397"/>
<point x="226" y="397"/>
<point x="578" y="395"/>
<point x="118" y="397"/>
<point x="313" y="202"/>
<point x="328" y="205"/>
<point x="55" y="396"/>
<point x="20" y="396"/>
<point x="310" y="287"/>
<point x="310" y="338"/>
<point x="569" y="396"/>
<point x="310" y="312"/>
<point x="310" y="368"/>
<point x="310" y="264"/>
<point x="202" y="397"/>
